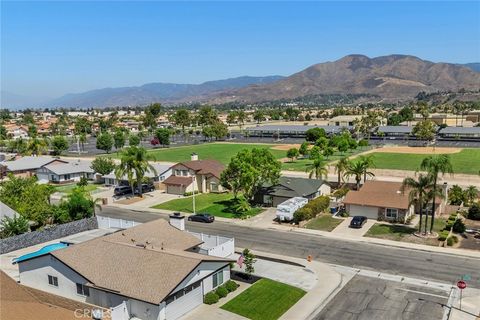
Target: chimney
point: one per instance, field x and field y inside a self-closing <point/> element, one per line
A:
<point x="177" y="221"/>
<point x="194" y="157"/>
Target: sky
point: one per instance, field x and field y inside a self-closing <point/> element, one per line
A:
<point x="52" y="48"/>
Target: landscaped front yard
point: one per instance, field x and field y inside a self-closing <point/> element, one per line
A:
<point x="217" y="204"/>
<point x="265" y="300"/>
<point x="67" y="188"/>
<point x="405" y="233"/>
<point x="323" y="222"/>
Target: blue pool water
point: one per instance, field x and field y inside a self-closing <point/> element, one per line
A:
<point x="41" y="252"/>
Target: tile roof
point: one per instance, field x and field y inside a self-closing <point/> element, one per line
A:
<point x="146" y="262"/>
<point x="208" y="166"/>
<point x="379" y="194"/>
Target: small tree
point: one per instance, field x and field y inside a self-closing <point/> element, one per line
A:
<point x="163" y="136"/>
<point x="103" y="165"/>
<point x="133" y="140"/>
<point x="119" y="139"/>
<point x="328" y="151"/>
<point x="83" y="182"/>
<point x="303" y="149"/>
<point x="292" y="153"/>
<point x="249" y="260"/>
<point x="59" y="145"/>
<point x="105" y="142"/>
<point x="13" y="226"/>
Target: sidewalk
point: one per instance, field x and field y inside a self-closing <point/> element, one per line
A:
<point x="470" y="309"/>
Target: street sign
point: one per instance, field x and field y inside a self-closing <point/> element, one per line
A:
<point x="461" y="284"/>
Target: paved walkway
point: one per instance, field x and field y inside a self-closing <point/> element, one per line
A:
<point x="344" y="228"/>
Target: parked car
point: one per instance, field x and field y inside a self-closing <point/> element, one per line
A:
<point x="122" y="190"/>
<point x="145" y="188"/>
<point x="358" y="221"/>
<point x="202" y="217"/>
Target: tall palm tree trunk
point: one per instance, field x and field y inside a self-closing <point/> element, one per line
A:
<point x="421" y="215"/>
<point x="339" y="178"/>
<point x="433" y="203"/>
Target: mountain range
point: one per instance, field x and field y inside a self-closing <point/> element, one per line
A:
<point x="388" y="78"/>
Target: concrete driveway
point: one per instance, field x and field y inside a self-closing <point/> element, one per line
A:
<point x="343" y="228"/>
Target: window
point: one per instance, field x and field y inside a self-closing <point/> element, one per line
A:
<point x="53" y="281"/>
<point x="184" y="173"/>
<point x="217" y="279"/>
<point x="83" y="290"/>
<point x="213" y="187"/>
<point x="391" y="213"/>
<point x="66" y="177"/>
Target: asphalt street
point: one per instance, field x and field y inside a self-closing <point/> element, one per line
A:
<point x="393" y="260"/>
<point x="374" y="299"/>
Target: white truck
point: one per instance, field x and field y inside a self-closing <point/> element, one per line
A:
<point x="286" y="209"/>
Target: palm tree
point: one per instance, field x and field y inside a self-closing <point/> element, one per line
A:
<point x="37" y="146"/>
<point x="340" y="168"/>
<point x="417" y="193"/>
<point x="318" y="168"/>
<point x="134" y="160"/>
<point x="471" y="193"/>
<point x="435" y="165"/>
<point x="357" y="169"/>
<point x="367" y="162"/>
<point x="241" y="117"/>
<point x="82" y="139"/>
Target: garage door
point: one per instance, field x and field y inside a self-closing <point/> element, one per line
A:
<point x="184" y="301"/>
<point x="369" y="212"/>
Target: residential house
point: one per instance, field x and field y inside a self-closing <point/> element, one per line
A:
<point x="16" y="132"/>
<point x="68" y="172"/>
<point x="290" y="187"/>
<point x="162" y="172"/>
<point x="28" y="166"/>
<point x="381" y="200"/>
<point x="149" y="272"/>
<point x="202" y="176"/>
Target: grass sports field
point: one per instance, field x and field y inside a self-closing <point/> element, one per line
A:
<point x="222" y="152"/>
<point x="466" y="161"/>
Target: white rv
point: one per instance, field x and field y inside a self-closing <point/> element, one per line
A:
<point x="286" y="209"/>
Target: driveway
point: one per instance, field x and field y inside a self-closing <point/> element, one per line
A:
<point x="343" y="228"/>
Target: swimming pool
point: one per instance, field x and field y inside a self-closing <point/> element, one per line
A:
<point x="41" y="252"/>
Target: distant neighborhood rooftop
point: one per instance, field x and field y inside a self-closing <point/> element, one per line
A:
<point x="395" y="129"/>
<point x="29" y="163"/>
<point x="76" y="166"/>
<point x="460" y="130"/>
<point x="295" y="128"/>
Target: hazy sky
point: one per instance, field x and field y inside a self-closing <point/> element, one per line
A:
<point x="52" y="48"/>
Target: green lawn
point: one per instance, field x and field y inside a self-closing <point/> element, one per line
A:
<point x="217" y="204"/>
<point x="222" y="152"/>
<point x="323" y="222"/>
<point x="265" y="300"/>
<point x="390" y="232"/>
<point x="67" y="188"/>
<point x="466" y="161"/>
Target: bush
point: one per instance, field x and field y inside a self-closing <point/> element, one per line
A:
<point x="318" y="205"/>
<point x="302" y="214"/>
<point x="459" y="226"/>
<point x="188" y="194"/>
<point x="474" y="211"/>
<point x="443" y="235"/>
<point x="452" y="240"/>
<point x="211" y="298"/>
<point x="231" y="285"/>
<point x="221" y="292"/>
<point x="344" y="214"/>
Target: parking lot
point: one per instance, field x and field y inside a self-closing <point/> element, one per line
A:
<point x="366" y="298"/>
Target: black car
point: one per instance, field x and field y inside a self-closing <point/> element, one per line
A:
<point x="145" y="188"/>
<point x="358" y="221"/>
<point x="202" y="217"/>
<point x="122" y="190"/>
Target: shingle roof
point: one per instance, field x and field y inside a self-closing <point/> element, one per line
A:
<point x="29" y="163"/>
<point x="119" y="262"/>
<point x="379" y="194"/>
<point x="208" y="166"/>
<point x="395" y="129"/>
<point x="178" y="181"/>
<point x="460" y="130"/>
<point x="77" y="166"/>
<point x="159" y="168"/>
<point x="294" y="187"/>
<point x="6" y="211"/>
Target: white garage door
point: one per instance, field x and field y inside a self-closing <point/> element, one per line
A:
<point x="369" y="212"/>
<point x="184" y="301"/>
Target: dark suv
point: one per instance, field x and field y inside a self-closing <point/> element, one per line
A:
<point x="122" y="190"/>
<point x="145" y="188"/>
<point x="358" y="222"/>
<point x="202" y="217"/>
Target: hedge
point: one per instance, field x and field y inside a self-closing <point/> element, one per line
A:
<point x="221" y="292"/>
<point x="211" y="298"/>
<point x="231" y="285"/>
<point x="312" y="209"/>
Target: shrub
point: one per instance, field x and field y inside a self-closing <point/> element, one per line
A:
<point x="443" y="235"/>
<point x="474" y="211"/>
<point x="344" y="214"/>
<point x="231" y="285"/>
<point x="319" y="205"/>
<point x="211" y="298"/>
<point x="459" y="226"/>
<point x="221" y="292"/>
<point x="302" y="214"/>
<point x="452" y="240"/>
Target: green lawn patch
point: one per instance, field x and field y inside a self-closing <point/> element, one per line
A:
<point x="390" y="232"/>
<point x="265" y="300"/>
<point x="466" y="161"/>
<point x="217" y="204"/>
<point x="222" y="152"/>
<point x="323" y="222"/>
<point x="67" y="188"/>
